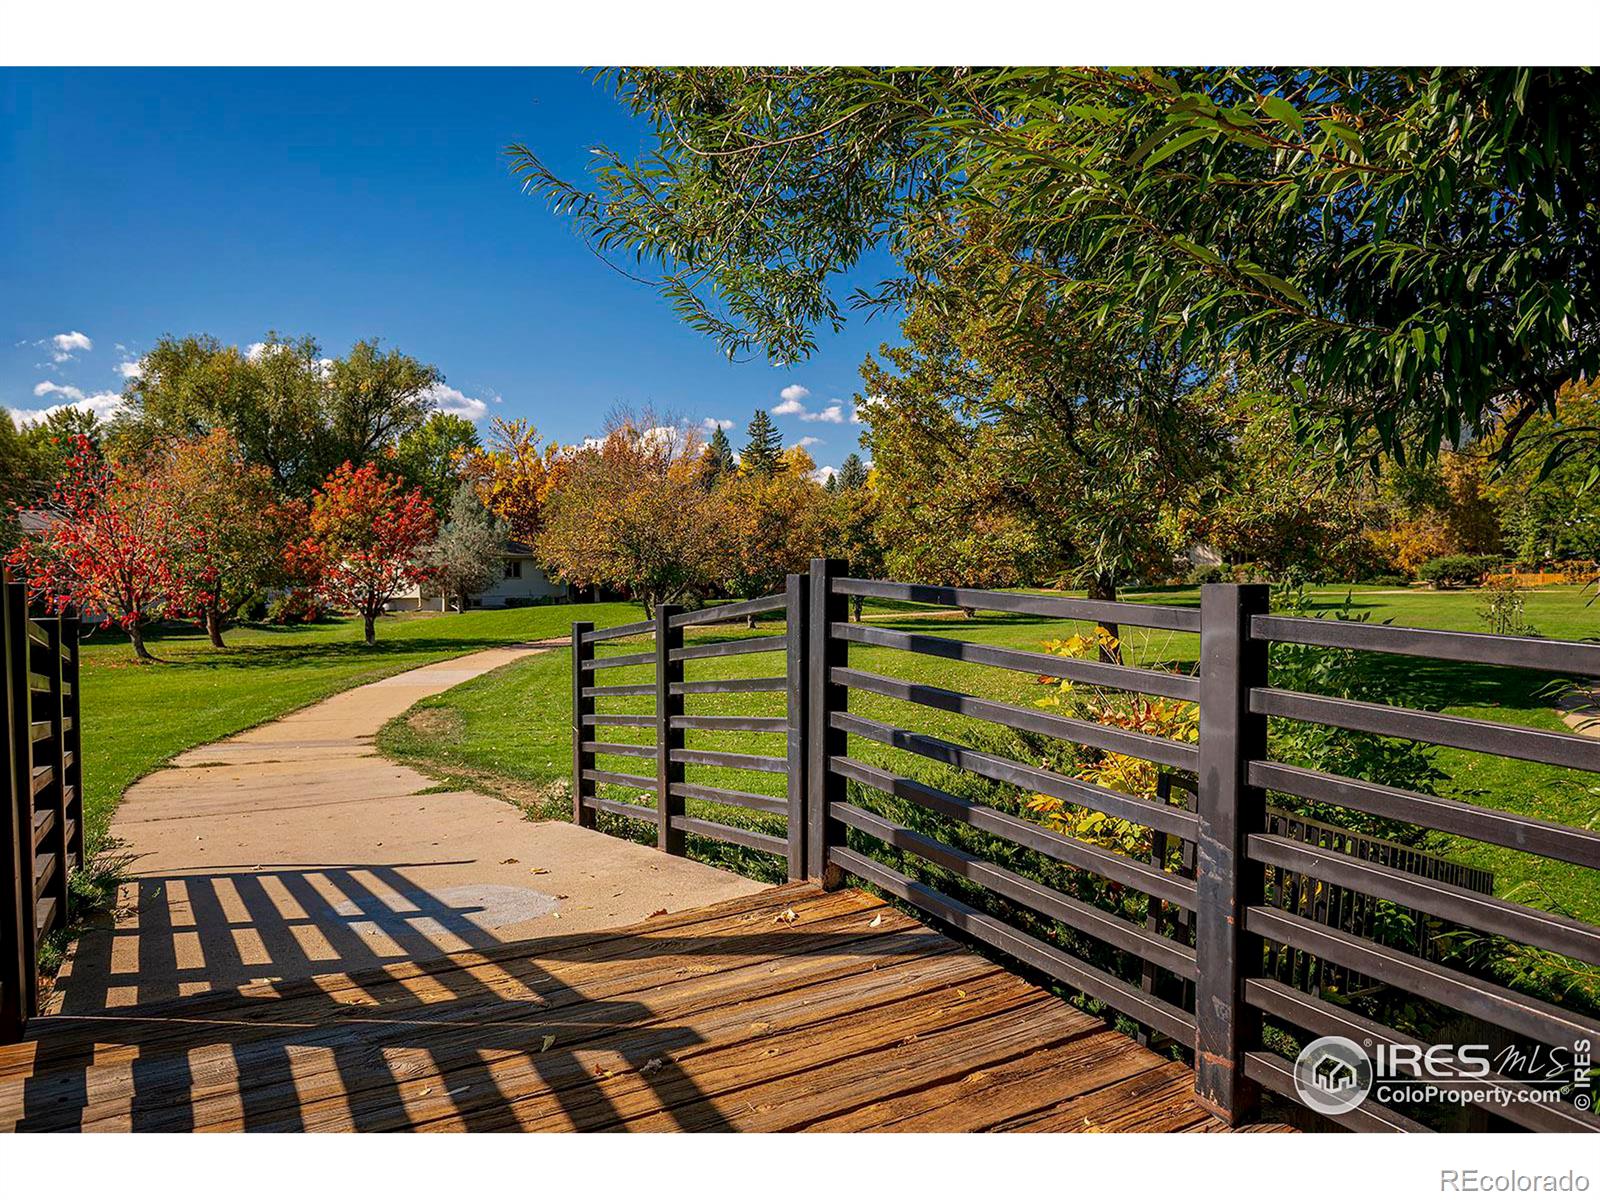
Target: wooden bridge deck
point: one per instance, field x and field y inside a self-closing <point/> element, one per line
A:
<point x="792" y="1009"/>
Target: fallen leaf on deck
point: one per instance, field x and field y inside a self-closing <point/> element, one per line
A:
<point x="654" y="1065"/>
<point x="788" y="916"/>
<point x="875" y="922"/>
<point x="538" y="870"/>
<point x="546" y="1042"/>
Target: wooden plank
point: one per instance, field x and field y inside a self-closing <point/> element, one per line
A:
<point x="465" y="1016"/>
<point x="792" y="1009"/>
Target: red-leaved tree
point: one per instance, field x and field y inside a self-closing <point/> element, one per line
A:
<point x="367" y="530"/>
<point x="106" y="549"/>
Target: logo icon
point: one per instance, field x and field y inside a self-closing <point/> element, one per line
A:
<point x="1333" y="1075"/>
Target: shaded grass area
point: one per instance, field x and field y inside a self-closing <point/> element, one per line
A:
<point x="510" y="731"/>
<point x="138" y="716"/>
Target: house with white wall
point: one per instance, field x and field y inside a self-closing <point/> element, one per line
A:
<point x="522" y="581"/>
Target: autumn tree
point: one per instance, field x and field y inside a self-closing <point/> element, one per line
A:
<point x="513" y="476"/>
<point x="764" y="448"/>
<point x="106" y="549"/>
<point x="468" y="554"/>
<point x="769" y="525"/>
<point x="230" y="526"/>
<point x="853" y="525"/>
<point x="630" y="513"/>
<point x="367" y="532"/>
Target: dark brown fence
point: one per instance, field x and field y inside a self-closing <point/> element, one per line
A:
<point x="1198" y="969"/>
<point x="41" y="831"/>
<point x="672" y="716"/>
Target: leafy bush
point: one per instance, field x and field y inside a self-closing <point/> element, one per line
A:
<point x="1457" y="570"/>
<point x="1385" y="581"/>
<point x="297" y="606"/>
<point x="1211" y="573"/>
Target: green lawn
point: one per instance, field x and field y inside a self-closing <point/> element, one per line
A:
<point x="137" y="716"/>
<point x="509" y="730"/>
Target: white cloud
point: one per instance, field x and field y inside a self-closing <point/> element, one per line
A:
<point x="255" y="350"/>
<point x="66" y="343"/>
<point x="131" y="369"/>
<point x="447" y="399"/>
<point x="47" y="388"/>
<point x="104" y="405"/>
<point x="808" y="441"/>
<point x="823" y="474"/>
<point x="855" y="414"/>
<point x="793" y="395"/>
<point x="712" y="424"/>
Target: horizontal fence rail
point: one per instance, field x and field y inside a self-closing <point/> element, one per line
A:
<point x="1227" y="915"/>
<point x="669" y="721"/>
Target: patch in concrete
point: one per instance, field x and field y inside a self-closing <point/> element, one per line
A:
<point x="447" y="910"/>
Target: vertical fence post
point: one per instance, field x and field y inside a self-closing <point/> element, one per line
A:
<point x="21" y="790"/>
<point x="16" y="846"/>
<point x="582" y="706"/>
<point x="823" y="742"/>
<point x="71" y="635"/>
<point x="669" y="637"/>
<point x="55" y="796"/>
<point x="795" y="626"/>
<point x="1231" y="663"/>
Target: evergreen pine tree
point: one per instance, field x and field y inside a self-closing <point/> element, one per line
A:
<point x="852" y="472"/>
<point x="718" y="459"/>
<point x="763" y="453"/>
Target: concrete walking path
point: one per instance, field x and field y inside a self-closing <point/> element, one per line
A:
<point x="294" y="849"/>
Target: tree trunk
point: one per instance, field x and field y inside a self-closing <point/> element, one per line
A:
<point x="214" y="627"/>
<point x="968" y="613"/>
<point x="136" y="636"/>
<point x="1104" y="587"/>
<point x="369" y="623"/>
<point x="856" y="603"/>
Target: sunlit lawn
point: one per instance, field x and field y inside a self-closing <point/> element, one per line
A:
<point x="514" y="724"/>
<point x="137" y="716"/>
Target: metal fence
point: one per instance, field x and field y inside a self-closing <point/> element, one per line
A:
<point x="1199" y="969"/>
<point x="41" y="830"/>
<point x="670" y="719"/>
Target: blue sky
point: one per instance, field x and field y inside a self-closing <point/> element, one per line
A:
<point x="350" y="204"/>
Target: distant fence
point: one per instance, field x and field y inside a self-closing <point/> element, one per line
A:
<point x="41" y="830"/>
<point x="670" y="719"/>
<point x="1200" y="969"/>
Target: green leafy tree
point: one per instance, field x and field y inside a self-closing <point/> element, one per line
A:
<point x="1415" y="246"/>
<point x="287" y="407"/>
<point x="763" y="452"/>
<point x="430" y="456"/>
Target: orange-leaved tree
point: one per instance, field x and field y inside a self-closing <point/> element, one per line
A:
<point x="513" y="476"/>
<point x="367" y="531"/>
<point x="231" y="525"/>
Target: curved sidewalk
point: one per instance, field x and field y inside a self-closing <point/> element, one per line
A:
<point x="294" y="849"/>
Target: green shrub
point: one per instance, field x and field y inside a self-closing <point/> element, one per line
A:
<point x="1457" y="570"/>
<point x="1211" y="573"/>
<point x="1385" y="581"/>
